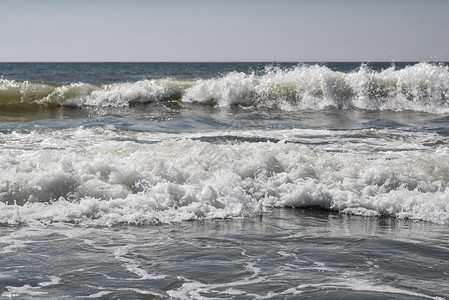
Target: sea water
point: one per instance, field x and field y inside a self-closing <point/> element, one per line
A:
<point x="224" y="180"/>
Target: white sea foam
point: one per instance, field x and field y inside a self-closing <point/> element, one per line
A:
<point x="360" y="285"/>
<point x="20" y="291"/>
<point x="132" y="265"/>
<point x="422" y="87"/>
<point x="122" y="94"/>
<point x="99" y="294"/>
<point x="88" y="176"/>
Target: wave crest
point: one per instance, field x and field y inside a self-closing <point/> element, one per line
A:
<point x="422" y="87"/>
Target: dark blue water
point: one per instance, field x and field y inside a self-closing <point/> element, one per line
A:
<point x="103" y="73"/>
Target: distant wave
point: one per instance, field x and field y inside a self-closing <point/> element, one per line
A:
<point x="422" y="87"/>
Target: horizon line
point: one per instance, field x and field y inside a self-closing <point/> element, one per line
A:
<point x="237" y="61"/>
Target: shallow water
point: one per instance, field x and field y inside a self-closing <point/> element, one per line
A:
<point x="286" y="254"/>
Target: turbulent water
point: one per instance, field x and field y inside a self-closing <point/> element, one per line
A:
<point x="100" y="156"/>
<point x="421" y="87"/>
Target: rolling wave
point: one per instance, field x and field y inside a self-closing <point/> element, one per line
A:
<point x="16" y="93"/>
<point x="422" y="87"/>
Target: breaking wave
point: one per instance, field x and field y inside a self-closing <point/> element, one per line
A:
<point x="15" y="93"/>
<point x="422" y="87"/>
<point x="96" y="176"/>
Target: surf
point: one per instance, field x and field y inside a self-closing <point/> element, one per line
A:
<point x="423" y="87"/>
<point x="104" y="177"/>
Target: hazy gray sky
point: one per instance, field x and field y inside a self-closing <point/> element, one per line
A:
<point x="224" y="30"/>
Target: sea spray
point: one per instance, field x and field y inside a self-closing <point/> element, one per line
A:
<point x="422" y="87"/>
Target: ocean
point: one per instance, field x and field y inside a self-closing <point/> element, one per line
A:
<point x="224" y="180"/>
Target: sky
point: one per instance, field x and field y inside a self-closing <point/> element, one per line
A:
<point x="224" y="30"/>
